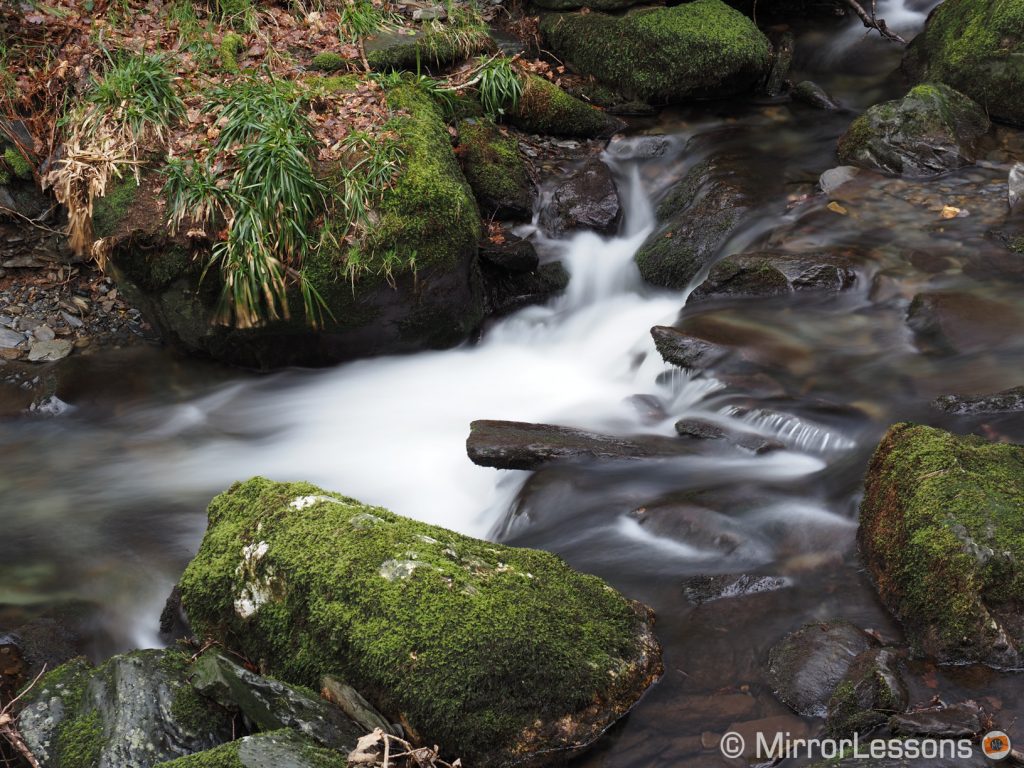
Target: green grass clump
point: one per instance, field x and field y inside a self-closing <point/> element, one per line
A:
<point x="137" y="92"/>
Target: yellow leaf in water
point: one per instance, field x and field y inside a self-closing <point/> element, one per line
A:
<point x="837" y="208"/>
<point x="949" y="212"/>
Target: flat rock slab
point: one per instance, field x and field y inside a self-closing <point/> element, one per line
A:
<point x="49" y="351"/>
<point x="521" y="445"/>
<point x="1007" y="401"/>
<point x="10" y="339"/>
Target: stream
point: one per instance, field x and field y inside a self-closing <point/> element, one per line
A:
<point x="103" y="504"/>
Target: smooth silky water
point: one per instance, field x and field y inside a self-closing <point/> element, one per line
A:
<point x="103" y="505"/>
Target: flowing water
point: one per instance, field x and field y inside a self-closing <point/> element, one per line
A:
<point x="103" y="504"/>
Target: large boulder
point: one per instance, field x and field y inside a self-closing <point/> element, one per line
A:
<point x="696" y="219"/>
<point x="546" y="109"/>
<point x="699" y="49"/>
<point x="134" y="711"/>
<point x="942" y="534"/>
<point x="419" y="286"/>
<point x="977" y="47"/>
<point x="501" y="655"/>
<point x="933" y="129"/>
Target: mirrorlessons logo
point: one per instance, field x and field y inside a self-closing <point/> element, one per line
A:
<point x="780" y="746"/>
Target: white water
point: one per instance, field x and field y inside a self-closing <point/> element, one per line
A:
<point x="905" y="17"/>
<point x="392" y="431"/>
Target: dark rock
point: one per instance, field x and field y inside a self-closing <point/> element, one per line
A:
<point x="495" y="170"/>
<point x="686" y="351"/>
<point x="776" y="273"/>
<point x="959" y="721"/>
<point x="814" y="95"/>
<point x="1007" y="401"/>
<point x="782" y="61"/>
<point x="870" y="692"/>
<point x="134" y="711"/>
<point x="805" y="667"/>
<point x="518" y="445"/>
<point x="696" y="220"/>
<point x="699" y="527"/>
<point x="173" y="621"/>
<point x="270" y="704"/>
<point x="354" y="705"/>
<point x="956" y="322"/>
<point x="513" y="255"/>
<point x="933" y="129"/>
<point x="587" y="199"/>
<point x="942" y="536"/>
<point x="706" y="589"/>
<point x="276" y="749"/>
<point x="505" y="292"/>
<point x="706" y="430"/>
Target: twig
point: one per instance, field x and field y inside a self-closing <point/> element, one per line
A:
<point x="871" y="22"/>
<point x="8" y="727"/>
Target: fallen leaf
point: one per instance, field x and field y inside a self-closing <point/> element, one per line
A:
<point x="837" y="208"/>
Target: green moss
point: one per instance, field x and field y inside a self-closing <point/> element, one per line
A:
<point x="333" y="83"/>
<point x="471" y="642"/>
<point x="440" y="45"/>
<point x="224" y="756"/>
<point x="5" y="177"/>
<point x="230" y="46"/>
<point x="79" y="735"/>
<point x="701" y="48"/>
<point x="19" y="166"/>
<point x="110" y="210"/>
<point x="977" y="47"/>
<point x="429" y="218"/>
<point x="942" y="530"/>
<point x="495" y="169"/>
<point x="282" y="747"/>
<point x="328" y="61"/>
<point x="544" y="108"/>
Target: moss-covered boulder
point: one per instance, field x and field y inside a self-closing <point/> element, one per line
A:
<point x="942" y="534"/>
<point x="134" y="711"/>
<point x="931" y="130"/>
<point x="546" y="109"/>
<point x="977" y="47"/>
<point x="274" y="749"/>
<point x="778" y="273"/>
<point x="436" y="46"/>
<point x="495" y="170"/>
<point x="417" y="284"/>
<point x="699" y="49"/>
<point x="503" y="656"/>
<point x="869" y="694"/>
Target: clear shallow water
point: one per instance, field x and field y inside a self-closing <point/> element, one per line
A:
<point x="104" y="503"/>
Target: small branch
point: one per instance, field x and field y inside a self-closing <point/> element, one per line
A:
<point x="9" y="729"/>
<point x="871" y="22"/>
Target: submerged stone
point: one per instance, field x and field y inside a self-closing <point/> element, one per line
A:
<point x="501" y="655"/>
<point x="777" y="273"/>
<point x="942" y="535"/>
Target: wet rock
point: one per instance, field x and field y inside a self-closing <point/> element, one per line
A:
<point x="351" y="702"/>
<point x="814" y="95"/>
<point x="134" y="711"/>
<point x="782" y="61"/>
<point x="942" y="535"/>
<point x="1007" y="401"/>
<point x="495" y="170"/>
<point x="686" y="351"/>
<point x="959" y="721"/>
<point x="659" y="55"/>
<point x="706" y="589"/>
<point x="834" y="178"/>
<point x="513" y="255"/>
<point x="311" y="582"/>
<point x="696" y="220"/>
<point x="956" y="322"/>
<point x="706" y="430"/>
<point x="545" y="109"/>
<point x="776" y="273"/>
<point x="699" y="527"/>
<point x="805" y="667"/>
<point x="933" y="129"/>
<point x="587" y="199"/>
<point x="173" y="621"/>
<point x="519" y="445"/>
<point x="870" y="692"/>
<point x="975" y="46"/>
<point x="505" y="292"/>
<point x="49" y="351"/>
<point x="276" y="749"/>
<point x="270" y="704"/>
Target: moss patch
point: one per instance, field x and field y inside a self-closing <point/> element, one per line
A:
<point x="546" y="109"/>
<point x="109" y="211"/>
<point x="942" y="531"/>
<point x="230" y="46"/>
<point x="977" y="47"/>
<point x="436" y="47"/>
<point x="19" y="166"/>
<point x="480" y="647"/>
<point x="697" y="49"/>
<point x="328" y="61"/>
<point x="495" y="169"/>
<point x="274" y="748"/>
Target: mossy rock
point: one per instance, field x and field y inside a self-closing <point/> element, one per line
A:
<point x="870" y="693"/>
<point x="596" y="5"/>
<point x="274" y="749"/>
<point x="418" y="284"/>
<point x="503" y="656"/>
<point x="699" y="49"/>
<point x="977" y="47"/>
<point x="777" y="273"/>
<point x="545" y="109"/>
<point x="133" y="711"/>
<point x="436" y="47"/>
<point x="16" y="161"/>
<point x="328" y="61"/>
<point x="942" y="534"/>
<point x="933" y="129"/>
<point x="495" y="170"/>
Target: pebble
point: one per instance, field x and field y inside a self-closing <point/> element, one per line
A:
<point x="10" y="339"/>
<point x="44" y="333"/>
<point x="49" y="351"/>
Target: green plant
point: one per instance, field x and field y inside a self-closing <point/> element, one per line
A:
<point x="136" y="93"/>
<point x="361" y="19"/>
<point x="498" y="84"/>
